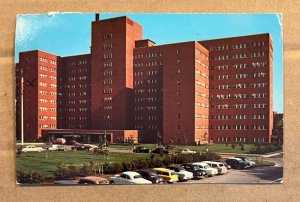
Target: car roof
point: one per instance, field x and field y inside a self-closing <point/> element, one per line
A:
<point x="200" y="163"/>
<point x="147" y="171"/>
<point x="163" y="169"/>
<point x="213" y="162"/>
<point x="235" y="158"/>
<point x="130" y="173"/>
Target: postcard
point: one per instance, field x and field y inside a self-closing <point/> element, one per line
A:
<point x="122" y="98"/>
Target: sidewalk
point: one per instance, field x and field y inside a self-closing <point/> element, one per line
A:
<point x="252" y="155"/>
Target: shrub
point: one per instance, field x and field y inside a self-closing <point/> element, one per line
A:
<point x="233" y="146"/>
<point x="32" y="177"/>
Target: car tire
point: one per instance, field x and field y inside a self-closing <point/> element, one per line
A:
<point x="112" y="182"/>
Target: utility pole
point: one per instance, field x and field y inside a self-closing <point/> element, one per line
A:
<point x="22" y="108"/>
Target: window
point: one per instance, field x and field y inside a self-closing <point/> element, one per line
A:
<point x="178" y="83"/>
<point x="178" y="116"/>
<point x="107" y="36"/>
<point x="178" y="127"/>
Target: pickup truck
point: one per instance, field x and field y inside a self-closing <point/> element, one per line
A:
<point x="32" y="148"/>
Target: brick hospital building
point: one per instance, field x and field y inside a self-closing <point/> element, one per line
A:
<point x="214" y="91"/>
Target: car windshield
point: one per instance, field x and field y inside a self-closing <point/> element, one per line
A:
<point x="137" y="176"/>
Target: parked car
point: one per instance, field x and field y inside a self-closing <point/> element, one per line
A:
<point x="66" y="182"/>
<point x="151" y="176"/>
<point x="188" y="151"/>
<point x="56" y="147"/>
<point x="198" y="173"/>
<point x="93" y="180"/>
<point x="225" y="164"/>
<point x="246" y="159"/>
<point x="71" y="142"/>
<point x="128" y="177"/>
<point x="141" y="149"/>
<point x="90" y="147"/>
<point x="160" y="150"/>
<point x="219" y="166"/>
<point x="59" y="141"/>
<point x="237" y="163"/>
<point x="183" y="175"/>
<point x="168" y="175"/>
<point x="32" y="148"/>
<point x="209" y="170"/>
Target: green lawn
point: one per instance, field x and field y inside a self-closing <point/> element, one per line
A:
<point x="39" y="162"/>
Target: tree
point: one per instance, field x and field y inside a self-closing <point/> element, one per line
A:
<point x="233" y="146"/>
<point x="185" y="140"/>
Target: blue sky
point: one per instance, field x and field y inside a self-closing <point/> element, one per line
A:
<point x="70" y="34"/>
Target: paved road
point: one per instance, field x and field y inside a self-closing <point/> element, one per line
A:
<point x="264" y="174"/>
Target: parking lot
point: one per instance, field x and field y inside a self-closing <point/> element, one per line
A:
<point x="265" y="174"/>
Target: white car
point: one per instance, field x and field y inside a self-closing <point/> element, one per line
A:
<point x="187" y="151"/>
<point x="209" y="170"/>
<point x="32" y="148"/>
<point x="56" y="147"/>
<point x="128" y="177"/>
<point x="183" y="175"/>
<point x="218" y="165"/>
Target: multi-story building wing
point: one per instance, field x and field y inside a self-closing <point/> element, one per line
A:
<point x="74" y="96"/>
<point x="185" y="93"/>
<point x="112" y="47"/>
<point x="148" y="91"/>
<point x="36" y="75"/>
<point x="241" y="91"/>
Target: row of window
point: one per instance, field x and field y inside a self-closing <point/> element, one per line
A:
<point x="74" y="118"/>
<point x="240" y="96"/>
<point x="77" y="70"/>
<point x="150" y="90"/>
<point x="198" y="72"/>
<point x="141" y="127"/>
<point x="47" y="126"/>
<point x="42" y="59"/>
<point x="239" y="106"/>
<point x="149" y="108"/>
<point x="141" y="82"/>
<point x="201" y="53"/>
<point x="148" y="55"/>
<point x="239" y="127"/>
<point x="150" y="118"/>
<point x="238" y="46"/>
<point x="46" y="77"/>
<point x="240" y="139"/>
<point x="242" y="85"/>
<point x="80" y="62"/>
<point x="42" y="67"/>
<point x="239" y="56"/>
<point x="46" y="118"/>
<point x="43" y="92"/>
<point x="240" y="66"/>
<point x="201" y="63"/>
<point x="76" y="110"/>
<point x="240" y="76"/>
<point x="143" y="99"/>
<point x="46" y="109"/>
<point x="239" y="116"/>
<point x="148" y="64"/>
<point x="80" y="94"/>
<point x="199" y="83"/>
